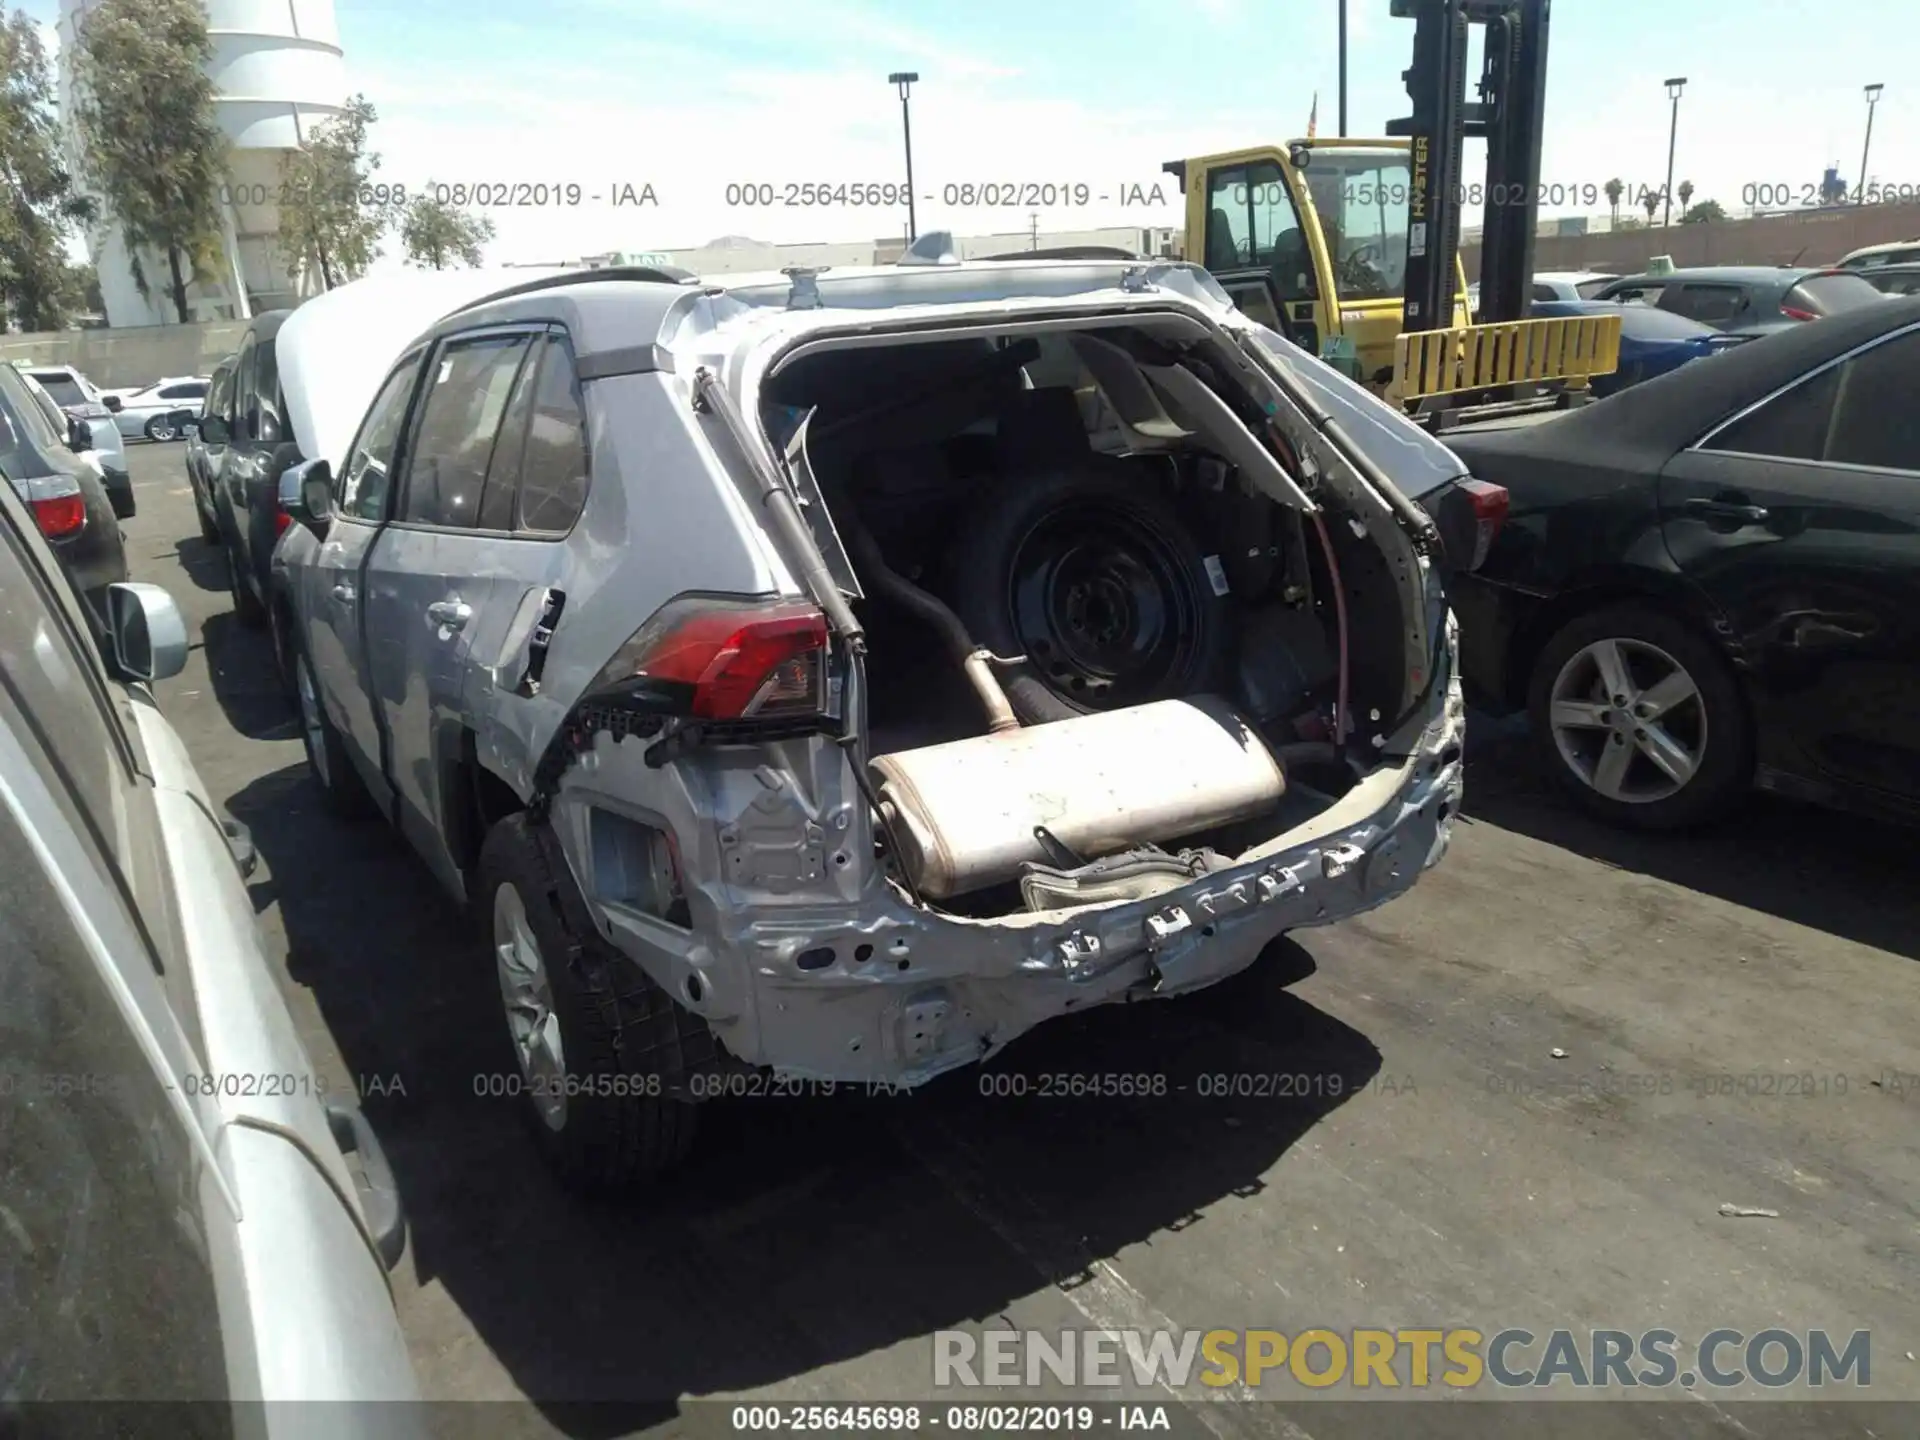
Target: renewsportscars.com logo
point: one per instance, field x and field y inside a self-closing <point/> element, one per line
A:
<point x="1384" y="1359"/>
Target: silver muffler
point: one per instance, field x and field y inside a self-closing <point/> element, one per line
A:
<point x="965" y="813"/>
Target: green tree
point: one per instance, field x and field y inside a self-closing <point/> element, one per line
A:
<point x="1685" y="192"/>
<point x="1615" y="189"/>
<point x="436" y="234"/>
<point x="152" y="146"/>
<point x="332" y="213"/>
<point x="1705" y="211"/>
<point x="38" y="203"/>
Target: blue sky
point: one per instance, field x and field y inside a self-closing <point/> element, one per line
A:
<point x="689" y="95"/>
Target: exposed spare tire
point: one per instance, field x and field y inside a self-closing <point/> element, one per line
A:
<point x="1091" y="575"/>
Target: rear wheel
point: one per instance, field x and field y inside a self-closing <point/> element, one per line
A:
<point x="345" y="792"/>
<point x="161" y="428"/>
<point x="583" y="1022"/>
<point x="1091" y="576"/>
<point x="1641" y="719"/>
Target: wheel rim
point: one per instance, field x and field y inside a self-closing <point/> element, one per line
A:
<point x="528" y="999"/>
<point x="1103" y="607"/>
<point x="1628" y="721"/>
<point x="312" y="732"/>
<point x="160" y="430"/>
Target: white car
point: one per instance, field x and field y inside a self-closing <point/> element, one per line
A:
<point x="1570" y="284"/>
<point x="148" y="414"/>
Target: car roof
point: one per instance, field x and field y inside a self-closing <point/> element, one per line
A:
<point x="1645" y="424"/>
<point x="1576" y="275"/>
<point x="1881" y="248"/>
<point x="1735" y="274"/>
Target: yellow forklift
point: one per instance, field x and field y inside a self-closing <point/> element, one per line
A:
<point x="1350" y="248"/>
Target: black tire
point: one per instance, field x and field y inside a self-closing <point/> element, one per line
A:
<point x="618" y="1128"/>
<point x="160" y="430"/>
<point x="247" y="608"/>
<point x="1132" y="574"/>
<point x="1719" y="718"/>
<point x="339" y="783"/>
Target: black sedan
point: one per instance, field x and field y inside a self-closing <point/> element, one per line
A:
<point x="1747" y="299"/>
<point x="1712" y="580"/>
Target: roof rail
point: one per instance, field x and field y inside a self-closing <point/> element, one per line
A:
<point x="641" y="274"/>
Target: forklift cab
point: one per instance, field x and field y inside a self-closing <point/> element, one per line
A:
<point x="1311" y="241"/>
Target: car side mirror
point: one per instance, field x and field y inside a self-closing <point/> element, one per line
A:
<point x="306" y="493"/>
<point x="149" y="634"/>
<point x="112" y="402"/>
<point x="79" y="434"/>
<point x="213" y="430"/>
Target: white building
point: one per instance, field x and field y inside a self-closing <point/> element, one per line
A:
<point x="277" y="71"/>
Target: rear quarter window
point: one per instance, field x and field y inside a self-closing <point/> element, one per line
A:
<point x="1831" y="294"/>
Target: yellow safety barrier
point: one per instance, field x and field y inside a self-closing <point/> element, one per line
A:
<point x="1483" y="357"/>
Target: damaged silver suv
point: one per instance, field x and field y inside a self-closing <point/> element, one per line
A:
<point x="839" y="674"/>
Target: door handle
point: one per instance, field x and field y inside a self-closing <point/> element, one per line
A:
<point x="1726" y="508"/>
<point x="450" y="613"/>
<point x="343" y="593"/>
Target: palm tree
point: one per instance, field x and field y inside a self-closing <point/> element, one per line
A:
<point x="1615" y="189"/>
<point x="1685" y="193"/>
<point x="1651" y="199"/>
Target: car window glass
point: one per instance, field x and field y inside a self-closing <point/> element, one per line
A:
<point x="1875" y="421"/>
<point x="465" y="397"/>
<point x="1587" y="289"/>
<point x="553" y="468"/>
<point x="1830" y="294"/>
<point x="1636" y="294"/>
<point x="182" y="392"/>
<point x="219" y="395"/>
<point x="264" y="420"/>
<point x="243" y="389"/>
<point x="32" y="421"/>
<point x="1545" y="292"/>
<point x="362" y="485"/>
<point x="1706" y="303"/>
<point x="104" y="1266"/>
<point x="64" y="389"/>
<point x="1792" y="426"/>
<point x="502" y="491"/>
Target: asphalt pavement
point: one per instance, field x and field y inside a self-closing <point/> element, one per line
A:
<point x="1521" y="1095"/>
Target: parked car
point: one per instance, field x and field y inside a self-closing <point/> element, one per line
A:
<point x="1652" y="341"/>
<point x="81" y="400"/>
<point x="1709" y="581"/>
<point x="182" y="1222"/>
<point x="1570" y="284"/>
<point x="251" y="443"/>
<point x="117" y="483"/>
<point x="63" y="493"/>
<point x="1872" y="257"/>
<point x="1751" y="299"/>
<point x="152" y="413"/>
<point x="1894" y="279"/>
<point x="203" y="460"/>
<point x="728" y="789"/>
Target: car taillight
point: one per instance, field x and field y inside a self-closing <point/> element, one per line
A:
<point x="1793" y="313"/>
<point x="281" y="519"/>
<point x="1469" y="515"/>
<point x="713" y="659"/>
<point x="61" y="516"/>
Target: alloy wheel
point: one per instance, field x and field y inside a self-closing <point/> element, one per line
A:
<point x="1628" y="720"/>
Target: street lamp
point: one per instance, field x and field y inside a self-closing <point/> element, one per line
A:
<point x="902" y="80"/>
<point x="1674" y="87"/>
<point x="1873" y="99"/>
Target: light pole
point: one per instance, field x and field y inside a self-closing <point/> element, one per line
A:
<point x="1873" y="99"/>
<point x="1343" y="68"/>
<point x="1674" y="87"/>
<point x="903" y="80"/>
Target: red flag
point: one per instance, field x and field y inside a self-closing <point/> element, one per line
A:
<point x="1313" y="119"/>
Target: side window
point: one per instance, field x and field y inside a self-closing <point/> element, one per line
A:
<point x="195" y="391"/>
<point x="1251" y="222"/>
<point x="1545" y="292"/>
<point x="1792" y="426"/>
<point x="1709" y="304"/>
<point x="1229" y="224"/>
<point x="553" y="469"/>
<point x="361" y="487"/>
<point x="465" y="397"/>
<point x="264" y="417"/>
<point x="242" y="408"/>
<point x="217" y="395"/>
<point x="104" y="1262"/>
<point x="500" y="497"/>
<point x="1637" y="295"/>
<point x="1875" y="421"/>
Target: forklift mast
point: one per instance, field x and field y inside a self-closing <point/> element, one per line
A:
<point x="1510" y="117"/>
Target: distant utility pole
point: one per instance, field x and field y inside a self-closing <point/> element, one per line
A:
<point x="1873" y="99"/>
<point x="903" y="81"/>
<point x="1674" y="87"/>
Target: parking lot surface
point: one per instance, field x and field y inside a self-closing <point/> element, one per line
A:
<point x="1519" y="1096"/>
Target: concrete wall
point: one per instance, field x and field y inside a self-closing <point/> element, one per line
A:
<point x="1811" y="237"/>
<point x="119" y="358"/>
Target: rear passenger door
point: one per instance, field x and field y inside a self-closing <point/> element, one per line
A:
<point x="435" y="572"/>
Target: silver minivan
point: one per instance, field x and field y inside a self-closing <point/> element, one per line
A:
<point x="835" y="675"/>
<point x="187" y="1214"/>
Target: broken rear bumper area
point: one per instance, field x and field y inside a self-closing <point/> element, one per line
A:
<point x="876" y="990"/>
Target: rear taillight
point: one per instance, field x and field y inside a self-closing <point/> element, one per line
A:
<point x="1469" y="515"/>
<point x="61" y="516"/>
<point x="1793" y="313"/>
<point x="281" y="519"/>
<point x="712" y="659"/>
